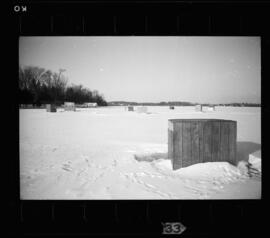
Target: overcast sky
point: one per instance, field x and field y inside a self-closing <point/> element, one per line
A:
<point x="154" y="69"/>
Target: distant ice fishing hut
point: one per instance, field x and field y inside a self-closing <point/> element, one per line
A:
<point x="130" y="108"/>
<point x="198" y="108"/>
<point x="69" y="106"/>
<point x="90" y="104"/>
<point x="192" y="141"/>
<point x="142" y="109"/>
<point x="50" y="108"/>
<point x="171" y="107"/>
<point x="210" y="108"/>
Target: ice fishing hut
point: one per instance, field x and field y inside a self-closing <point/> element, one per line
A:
<point x="130" y="108"/>
<point x="90" y="104"/>
<point x="69" y="106"/>
<point x="172" y="107"/>
<point x="198" y="108"/>
<point x="51" y="108"/>
<point x="209" y="108"/>
<point x="142" y="109"/>
<point x="192" y="141"/>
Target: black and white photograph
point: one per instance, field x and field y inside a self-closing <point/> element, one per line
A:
<point x="139" y="117"/>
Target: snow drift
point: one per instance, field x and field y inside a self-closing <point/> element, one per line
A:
<point x="112" y="153"/>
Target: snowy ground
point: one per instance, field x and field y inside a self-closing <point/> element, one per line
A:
<point x="90" y="154"/>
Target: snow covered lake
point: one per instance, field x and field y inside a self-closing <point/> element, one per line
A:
<point x="90" y="154"/>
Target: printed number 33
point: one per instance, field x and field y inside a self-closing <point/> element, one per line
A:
<point x="173" y="228"/>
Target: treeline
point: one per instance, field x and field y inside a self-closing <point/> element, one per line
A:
<point x="180" y="103"/>
<point x="40" y="86"/>
<point x="125" y="103"/>
<point x="242" y="104"/>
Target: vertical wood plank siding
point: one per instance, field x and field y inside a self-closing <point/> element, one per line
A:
<point x="192" y="141"/>
<point x="50" y="108"/>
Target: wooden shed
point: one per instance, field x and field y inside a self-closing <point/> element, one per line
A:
<point x="198" y="108"/>
<point x="192" y="141"/>
<point x="210" y="108"/>
<point x="130" y="108"/>
<point x="50" y="108"/>
<point x="90" y="104"/>
<point x="69" y="106"/>
<point x="142" y="109"/>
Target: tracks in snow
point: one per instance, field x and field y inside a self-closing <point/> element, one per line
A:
<point x="135" y="178"/>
